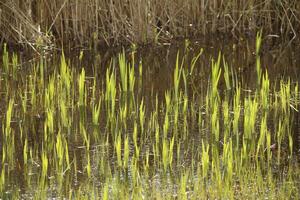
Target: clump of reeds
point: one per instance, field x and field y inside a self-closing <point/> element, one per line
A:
<point x="42" y="23"/>
<point x="70" y="134"/>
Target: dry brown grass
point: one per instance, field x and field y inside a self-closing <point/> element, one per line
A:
<point x="111" y="22"/>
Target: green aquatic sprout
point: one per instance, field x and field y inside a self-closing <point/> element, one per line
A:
<point x="165" y="154"/>
<point x="194" y="61"/>
<point x="65" y="76"/>
<point x="258" y="62"/>
<point x="131" y="79"/>
<point x="123" y="71"/>
<point x="140" y="78"/>
<point x="50" y="93"/>
<point x="49" y="123"/>
<point x="171" y="150"/>
<point x="88" y="166"/>
<point x="9" y="114"/>
<point x="262" y="137"/>
<point x="105" y="192"/>
<point x="64" y="113"/>
<point x="118" y="147"/>
<point x="15" y="64"/>
<point x="96" y="112"/>
<point x="226" y="120"/>
<point x="81" y="88"/>
<point x="215" y="125"/>
<point x="236" y="115"/>
<point x="166" y="124"/>
<point x="205" y="159"/>
<point x="264" y="92"/>
<point x="84" y="133"/>
<point x="183" y="185"/>
<point x="258" y="42"/>
<point x="291" y="143"/>
<point x="184" y="77"/>
<point x="93" y="91"/>
<point x="126" y="152"/>
<point x="250" y="115"/>
<point x="80" y="55"/>
<point x="45" y="163"/>
<point x="25" y="151"/>
<point x="142" y="116"/>
<point x="146" y="162"/>
<point x="176" y="77"/>
<point x="2" y="179"/>
<point x="135" y="134"/>
<point x="279" y="136"/>
<point x="59" y="150"/>
<point x="226" y="74"/>
<point x="228" y="162"/>
<point x="268" y="149"/>
<point x="110" y="93"/>
<point x="42" y="69"/>
<point x="127" y="72"/>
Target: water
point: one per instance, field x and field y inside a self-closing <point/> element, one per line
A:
<point x="82" y="156"/>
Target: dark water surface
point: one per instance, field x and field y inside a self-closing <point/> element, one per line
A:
<point x="282" y="62"/>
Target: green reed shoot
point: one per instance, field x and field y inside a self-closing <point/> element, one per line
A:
<point x="14" y="65"/>
<point x="262" y="137"/>
<point x="59" y="147"/>
<point x="291" y="143"/>
<point x="135" y="134"/>
<point x="215" y="125"/>
<point x="123" y="71"/>
<point x="279" y="137"/>
<point x="110" y="93"/>
<point x="118" y="146"/>
<point x="81" y="88"/>
<point x="264" y="92"/>
<point x="45" y="163"/>
<point x="194" y="61"/>
<point x="177" y="74"/>
<point x="64" y="113"/>
<point x="142" y="115"/>
<point x="105" y="192"/>
<point x="65" y="75"/>
<point x="258" y="63"/>
<point x="226" y="74"/>
<point x="165" y="154"/>
<point x="183" y="185"/>
<point x="215" y="77"/>
<point x="96" y="112"/>
<point x="9" y="114"/>
<point x="88" y="166"/>
<point x="166" y="124"/>
<point x="251" y="109"/>
<point x="126" y="152"/>
<point x="25" y="151"/>
<point x="258" y="42"/>
<point x="171" y="150"/>
<point x="131" y="79"/>
<point x="205" y="159"/>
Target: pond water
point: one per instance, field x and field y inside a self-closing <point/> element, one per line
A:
<point x="153" y="122"/>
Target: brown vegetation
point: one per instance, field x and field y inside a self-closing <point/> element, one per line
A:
<point x="111" y="22"/>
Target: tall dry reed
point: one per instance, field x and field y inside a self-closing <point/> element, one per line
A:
<point x="111" y="22"/>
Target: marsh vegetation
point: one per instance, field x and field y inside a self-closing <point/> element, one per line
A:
<point x="199" y="127"/>
<point x="149" y="99"/>
<point x="113" y="22"/>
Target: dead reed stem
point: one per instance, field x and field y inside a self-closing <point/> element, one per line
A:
<point x="113" y="22"/>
